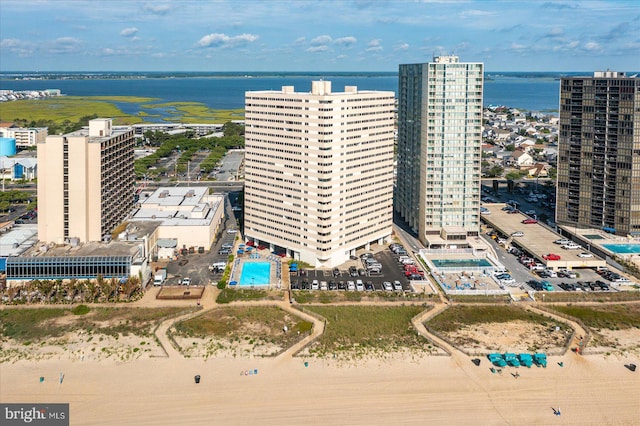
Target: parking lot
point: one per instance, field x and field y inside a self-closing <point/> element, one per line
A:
<point x="392" y="271"/>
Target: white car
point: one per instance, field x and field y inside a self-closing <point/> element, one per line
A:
<point x="530" y="212"/>
<point x="572" y="246"/>
<point x="315" y="285"/>
<point x="387" y="286"/>
<point x="359" y="285"/>
<point x="517" y="234"/>
<point x="351" y="286"/>
<point x="186" y="281"/>
<point x="562" y="242"/>
<point x="397" y="286"/>
<point x="509" y="280"/>
<point x="585" y="254"/>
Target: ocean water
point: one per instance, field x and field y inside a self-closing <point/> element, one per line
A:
<point x="528" y="91"/>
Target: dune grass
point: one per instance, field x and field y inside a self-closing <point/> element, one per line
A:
<point x="228" y="295"/>
<point x="361" y="330"/>
<point x="596" y="296"/>
<point x="240" y="321"/>
<point x="609" y="317"/>
<point x="460" y="315"/>
<point x="36" y="324"/>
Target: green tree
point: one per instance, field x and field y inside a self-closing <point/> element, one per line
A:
<point x="232" y="129"/>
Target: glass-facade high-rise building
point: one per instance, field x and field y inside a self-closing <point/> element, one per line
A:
<point x="439" y="149"/>
<point x="599" y="153"/>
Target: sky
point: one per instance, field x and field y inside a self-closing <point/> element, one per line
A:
<point x="316" y="35"/>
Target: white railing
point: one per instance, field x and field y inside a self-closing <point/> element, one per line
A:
<point x="486" y="292"/>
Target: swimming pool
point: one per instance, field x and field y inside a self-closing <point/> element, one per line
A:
<point x="255" y="273"/>
<point x="461" y="263"/>
<point x="623" y="248"/>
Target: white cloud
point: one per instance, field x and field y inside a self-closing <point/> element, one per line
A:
<point x="8" y="43"/>
<point x="19" y="47"/>
<point x="323" y="39"/>
<point x="314" y="49"/>
<point x="129" y="32"/>
<point x="474" y="13"/>
<point x="374" y="46"/>
<point x="299" y="40"/>
<point x="345" y="41"/>
<point x="402" y="46"/>
<point x="63" y="45"/>
<point x="224" y="41"/>
<point x="158" y="9"/>
<point x="555" y="32"/>
<point x="108" y="51"/>
<point x="592" y="46"/>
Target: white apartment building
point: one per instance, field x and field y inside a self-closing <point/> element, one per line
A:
<point x="25" y="137"/>
<point x="318" y="171"/>
<point x="439" y="150"/>
<point x="85" y="183"/>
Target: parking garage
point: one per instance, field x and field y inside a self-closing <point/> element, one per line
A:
<point x="537" y="239"/>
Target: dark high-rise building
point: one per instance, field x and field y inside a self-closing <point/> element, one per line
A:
<point x="599" y="153"/>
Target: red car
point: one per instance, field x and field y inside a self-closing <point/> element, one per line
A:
<point x="551" y="256"/>
<point x="529" y="221"/>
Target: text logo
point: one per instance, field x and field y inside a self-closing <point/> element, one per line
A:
<point x="35" y="414"/>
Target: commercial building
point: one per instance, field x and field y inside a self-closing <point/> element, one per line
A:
<point x="85" y="185"/>
<point x="599" y="153"/>
<point x="439" y="150"/>
<point x="318" y="170"/>
<point x="25" y="136"/>
<point x="189" y="217"/>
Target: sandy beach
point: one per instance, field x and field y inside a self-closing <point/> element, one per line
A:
<point x="590" y="390"/>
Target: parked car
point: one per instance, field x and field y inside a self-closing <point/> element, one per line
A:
<point x="315" y="285"/>
<point x="565" y="273"/>
<point x="387" y="286"/>
<point x="529" y="221"/>
<point x="517" y="234"/>
<point x="562" y="241"/>
<point x="585" y="255"/>
<point x="551" y="256"/>
<point x="549" y="273"/>
<point x="397" y="286"/>
<point x="186" y="281"/>
<point x="572" y="246"/>
<point x="351" y="286"/>
<point x="359" y="285"/>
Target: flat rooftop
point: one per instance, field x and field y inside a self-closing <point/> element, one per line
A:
<point x="184" y="206"/>
<point x="538" y="239"/>
<point x="113" y="248"/>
